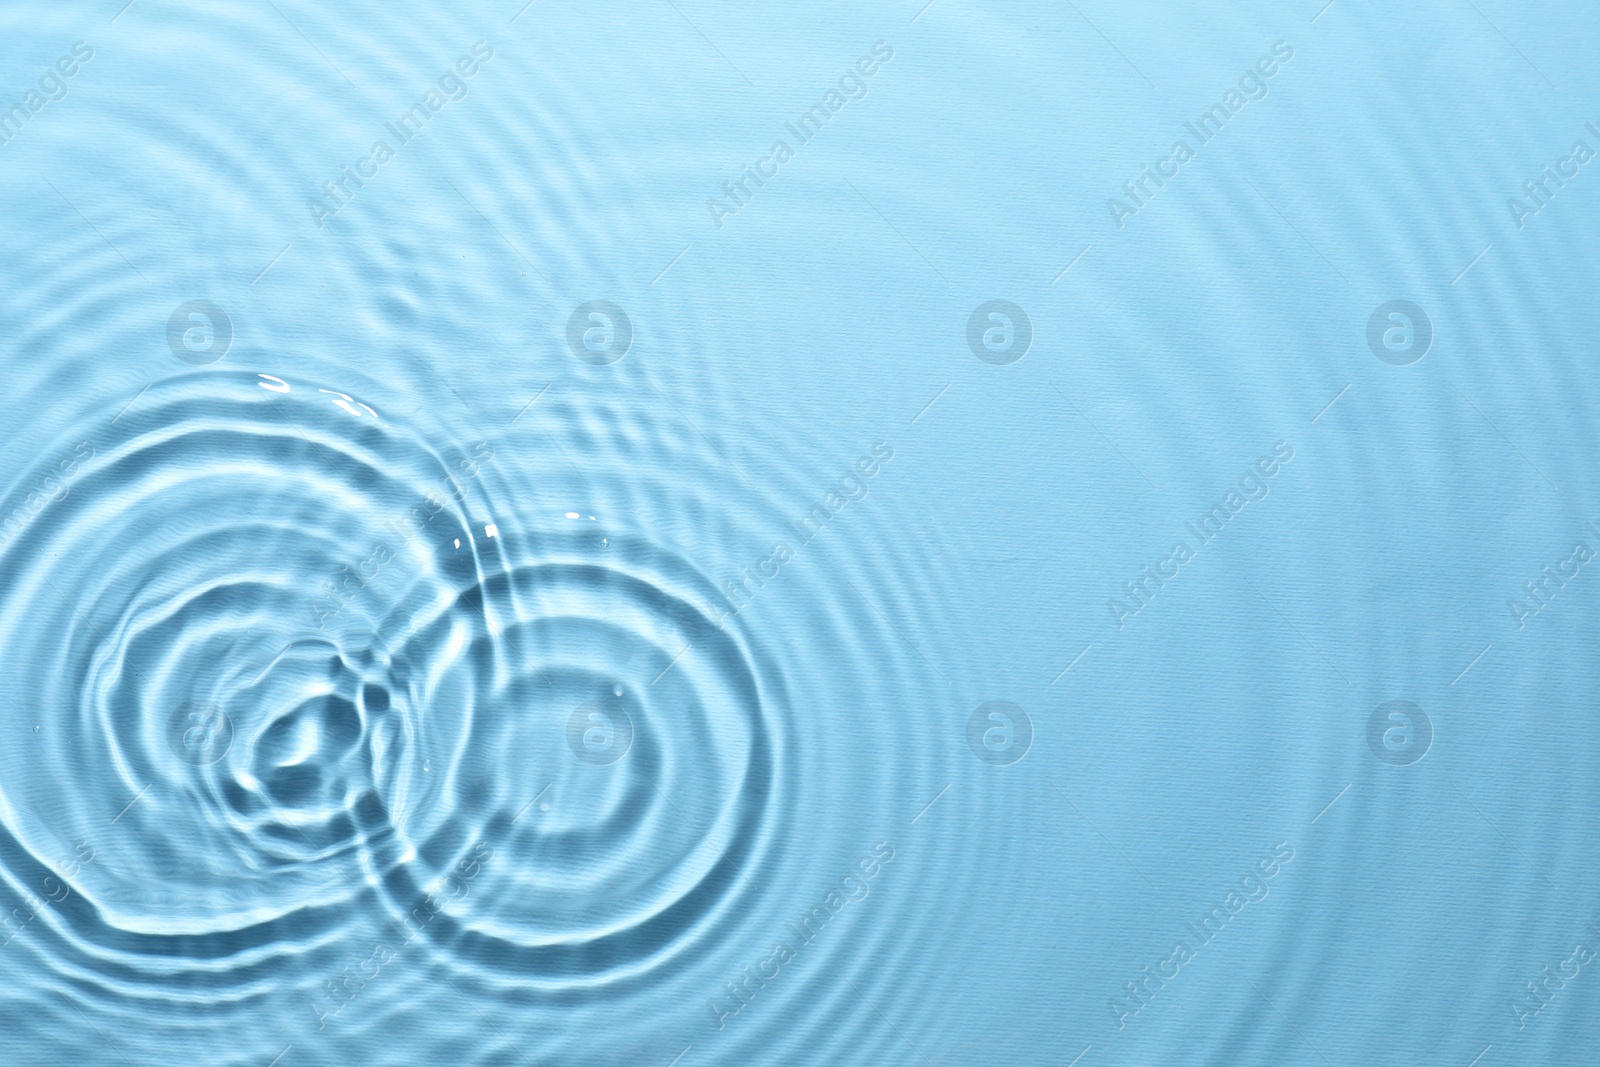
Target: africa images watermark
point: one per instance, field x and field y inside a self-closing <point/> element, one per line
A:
<point x="852" y="486"/>
<point x="1538" y="192"/>
<point x="1253" y="486"/>
<point x="1252" y="889"/>
<point x="1552" y="579"/>
<point x="52" y="86"/>
<point x="341" y="991"/>
<point x="1252" y="87"/>
<point x="336" y="594"/>
<point x="50" y="490"/>
<point x="452" y="86"/>
<point x="1541" y="993"/>
<point x="852" y="85"/>
<point x="55" y="889"/>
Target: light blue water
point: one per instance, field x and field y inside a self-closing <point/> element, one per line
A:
<point x="687" y="533"/>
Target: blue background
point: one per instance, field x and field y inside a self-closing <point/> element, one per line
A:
<point x="176" y="517"/>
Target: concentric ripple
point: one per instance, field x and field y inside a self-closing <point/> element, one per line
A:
<point x="614" y="649"/>
<point x="545" y="750"/>
<point x="200" y="592"/>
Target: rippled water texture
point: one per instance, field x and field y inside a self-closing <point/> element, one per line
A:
<point x="936" y="534"/>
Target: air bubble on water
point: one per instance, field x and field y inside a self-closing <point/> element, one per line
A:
<point x="616" y="690"/>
